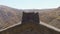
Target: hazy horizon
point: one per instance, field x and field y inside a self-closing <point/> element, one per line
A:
<point x="31" y="4"/>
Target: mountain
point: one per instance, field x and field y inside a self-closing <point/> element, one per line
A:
<point x="9" y="16"/>
<point x="52" y="17"/>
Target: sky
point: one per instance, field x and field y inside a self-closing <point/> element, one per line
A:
<point x="31" y="4"/>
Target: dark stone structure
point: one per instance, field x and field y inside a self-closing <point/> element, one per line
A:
<point x="30" y="25"/>
<point x="30" y="17"/>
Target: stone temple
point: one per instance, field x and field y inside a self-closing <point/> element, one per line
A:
<point x="30" y="25"/>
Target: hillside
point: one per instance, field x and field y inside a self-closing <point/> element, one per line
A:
<point x="52" y="17"/>
<point x="9" y="16"/>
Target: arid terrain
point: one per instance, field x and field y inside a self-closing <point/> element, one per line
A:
<point x="10" y="16"/>
<point x="52" y="17"/>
